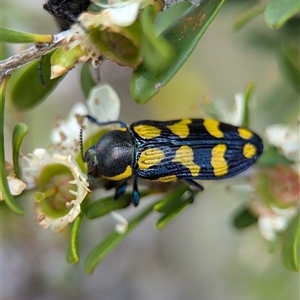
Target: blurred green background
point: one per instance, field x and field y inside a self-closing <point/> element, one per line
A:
<point x="199" y="255"/>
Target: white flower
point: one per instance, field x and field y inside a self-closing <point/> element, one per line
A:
<point x="116" y="14"/>
<point x="16" y="186"/>
<point x="273" y="221"/>
<point x="233" y="115"/>
<point x="33" y="166"/>
<point x="111" y="17"/>
<point x="270" y="226"/>
<point x="103" y="103"/>
<point x="276" y="199"/>
<point x="286" y="138"/>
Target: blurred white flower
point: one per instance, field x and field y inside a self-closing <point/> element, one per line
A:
<point x="234" y="115"/>
<point x="275" y="199"/>
<point x="272" y="220"/>
<point x="103" y="103"/>
<point x="286" y="138"/>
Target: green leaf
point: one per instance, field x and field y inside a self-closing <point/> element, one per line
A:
<point x="4" y="52"/>
<point x="86" y="79"/>
<point x="13" y="36"/>
<point x="248" y="94"/>
<point x="122" y="47"/>
<point x="183" y="36"/>
<point x="248" y="14"/>
<point x="157" y="53"/>
<point x="271" y="157"/>
<point x="111" y="241"/>
<point x="103" y="206"/>
<point x="8" y="198"/>
<point x="290" y="62"/>
<point x="171" y="205"/>
<point x="279" y="11"/>
<point x="244" y="218"/>
<point x="19" y="133"/>
<point x="170" y="200"/>
<point x="73" y="252"/>
<point x="26" y="88"/>
<point x="290" y="247"/>
<point x="63" y="60"/>
<point x="167" y="218"/>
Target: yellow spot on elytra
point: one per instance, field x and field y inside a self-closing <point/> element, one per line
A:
<point x="218" y="161"/>
<point x="181" y="128"/>
<point x="167" y="178"/>
<point x="127" y="173"/>
<point x="212" y="126"/>
<point x="185" y="156"/>
<point x="150" y="157"/>
<point x="122" y="129"/>
<point x="147" y="131"/>
<point x="245" y="133"/>
<point x="249" y="150"/>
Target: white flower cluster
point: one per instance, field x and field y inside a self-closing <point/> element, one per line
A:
<point x="104" y="103"/>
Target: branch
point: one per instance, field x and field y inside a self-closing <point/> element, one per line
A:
<point x="17" y="61"/>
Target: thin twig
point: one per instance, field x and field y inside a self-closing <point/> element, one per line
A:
<point x="14" y="62"/>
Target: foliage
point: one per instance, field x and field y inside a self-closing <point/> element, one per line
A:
<point x="154" y="60"/>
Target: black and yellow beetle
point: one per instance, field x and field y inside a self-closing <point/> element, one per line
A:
<point x="185" y="149"/>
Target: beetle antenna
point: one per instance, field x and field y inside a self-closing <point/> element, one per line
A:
<point x="40" y="71"/>
<point x="95" y="121"/>
<point x="81" y="144"/>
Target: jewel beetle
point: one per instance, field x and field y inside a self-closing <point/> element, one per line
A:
<point x="188" y="149"/>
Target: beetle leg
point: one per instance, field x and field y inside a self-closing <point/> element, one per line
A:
<point x="195" y="184"/>
<point x="120" y="190"/>
<point x="135" y="194"/>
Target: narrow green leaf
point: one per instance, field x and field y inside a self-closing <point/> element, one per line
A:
<point x="111" y="241"/>
<point x="183" y="36"/>
<point x="4" y="52"/>
<point x="19" y="133"/>
<point x="290" y="62"/>
<point x="167" y="218"/>
<point x="248" y="14"/>
<point x="248" y="94"/>
<point x="73" y="252"/>
<point x="171" y="205"/>
<point x="279" y="11"/>
<point x="26" y="88"/>
<point x="170" y="200"/>
<point x="8" y="198"/>
<point x="103" y="206"/>
<point x="244" y="218"/>
<point x="290" y="247"/>
<point x="13" y="36"/>
<point x="86" y="79"/>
